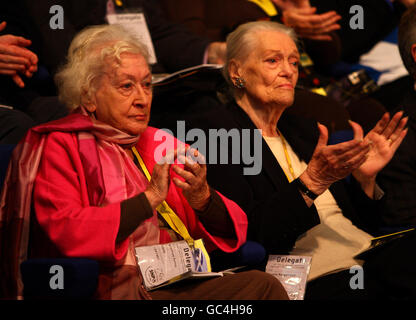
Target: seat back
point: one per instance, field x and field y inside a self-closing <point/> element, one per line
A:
<point x="5" y="154"/>
<point x="60" y="278"/>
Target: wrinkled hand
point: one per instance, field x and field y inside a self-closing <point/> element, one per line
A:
<point x="15" y="59"/>
<point x="331" y="163"/>
<point x="384" y="139"/>
<point x="217" y="52"/>
<point x="310" y="25"/>
<point x="195" y="186"/>
<point x="289" y="4"/>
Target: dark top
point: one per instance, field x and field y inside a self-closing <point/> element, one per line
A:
<point x="398" y="178"/>
<point x="276" y="210"/>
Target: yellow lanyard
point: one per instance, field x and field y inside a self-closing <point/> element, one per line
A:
<point x="174" y="221"/>
<point x="118" y="3"/>
<point x="267" y="6"/>
<point x="165" y="211"/>
<point x="289" y="163"/>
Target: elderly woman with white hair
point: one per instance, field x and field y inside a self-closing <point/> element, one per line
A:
<point x="98" y="191"/>
<point x="299" y="203"/>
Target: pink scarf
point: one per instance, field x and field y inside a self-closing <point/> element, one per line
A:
<point x="100" y="149"/>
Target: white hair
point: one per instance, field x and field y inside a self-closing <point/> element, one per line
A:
<point x="91" y="52"/>
<point x="243" y="40"/>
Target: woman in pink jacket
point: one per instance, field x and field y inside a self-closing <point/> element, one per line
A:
<point x="91" y="197"/>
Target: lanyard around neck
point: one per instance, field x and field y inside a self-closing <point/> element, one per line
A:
<point x="165" y="211"/>
<point x="289" y="162"/>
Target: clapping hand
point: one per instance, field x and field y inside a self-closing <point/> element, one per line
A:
<point x="362" y="156"/>
<point x="15" y="58"/>
<point x="330" y="163"/>
<point x="384" y="139"/>
<point x="299" y="15"/>
<point x="194" y="186"/>
<point x="310" y="25"/>
<point x="194" y="183"/>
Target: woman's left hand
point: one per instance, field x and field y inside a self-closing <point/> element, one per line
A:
<point x="384" y="138"/>
<point x="195" y="187"/>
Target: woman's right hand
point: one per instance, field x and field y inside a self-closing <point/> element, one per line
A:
<point x="331" y="163"/>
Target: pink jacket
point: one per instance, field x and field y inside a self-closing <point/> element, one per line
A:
<point x="74" y="228"/>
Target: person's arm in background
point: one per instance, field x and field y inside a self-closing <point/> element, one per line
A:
<point x="317" y="30"/>
<point x="177" y="48"/>
<point x="407" y="3"/>
<point x="15" y="59"/>
<point x="305" y="20"/>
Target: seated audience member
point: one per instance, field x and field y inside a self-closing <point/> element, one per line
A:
<point x="22" y="104"/>
<point x="175" y="47"/>
<point x="318" y="31"/>
<point x="299" y="202"/>
<point x="14" y="125"/>
<point x="91" y="197"/>
<point x="398" y="178"/>
<point x="16" y="61"/>
<point x="215" y="19"/>
<point x="304" y="19"/>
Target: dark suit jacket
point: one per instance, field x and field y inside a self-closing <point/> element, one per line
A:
<point x="398" y="178"/>
<point x="277" y="212"/>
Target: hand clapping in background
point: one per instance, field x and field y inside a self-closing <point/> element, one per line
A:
<point x="15" y="59"/>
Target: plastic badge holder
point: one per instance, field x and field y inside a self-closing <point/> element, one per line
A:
<point x="164" y="264"/>
<point x="292" y="271"/>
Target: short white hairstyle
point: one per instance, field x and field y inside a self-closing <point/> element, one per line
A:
<point x="91" y="52"/>
<point x="242" y="40"/>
